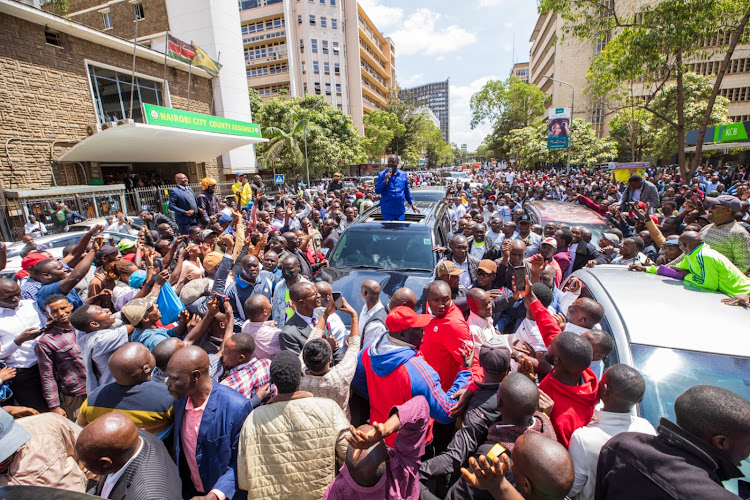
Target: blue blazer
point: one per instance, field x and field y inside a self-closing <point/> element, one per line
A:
<point x="218" y="439"/>
<point x="180" y="201"/>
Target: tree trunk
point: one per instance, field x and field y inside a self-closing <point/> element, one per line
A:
<point x="733" y="40"/>
<point x="681" y="160"/>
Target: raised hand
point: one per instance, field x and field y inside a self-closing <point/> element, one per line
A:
<point x="486" y="475"/>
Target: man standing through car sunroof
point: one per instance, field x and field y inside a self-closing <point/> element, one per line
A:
<point x="393" y="187"/>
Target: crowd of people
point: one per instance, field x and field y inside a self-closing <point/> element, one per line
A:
<point x="208" y="360"/>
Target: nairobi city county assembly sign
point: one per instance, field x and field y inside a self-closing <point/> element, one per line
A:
<point x="176" y="118"/>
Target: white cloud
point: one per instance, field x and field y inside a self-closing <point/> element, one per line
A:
<point x="489" y="3"/>
<point x="461" y="132"/>
<point x="419" y="34"/>
<point x="382" y="15"/>
<point x="411" y="80"/>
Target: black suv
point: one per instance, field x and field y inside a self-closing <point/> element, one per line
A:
<point x="395" y="254"/>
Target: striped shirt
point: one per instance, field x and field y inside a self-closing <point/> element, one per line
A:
<point x="147" y="404"/>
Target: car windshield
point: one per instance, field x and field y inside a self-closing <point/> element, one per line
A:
<point x="668" y="372"/>
<point x="386" y="248"/>
<point x="460" y="175"/>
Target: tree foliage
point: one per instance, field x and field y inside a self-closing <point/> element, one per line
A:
<point x="649" y="47"/>
<point x="332" y="140"/>
<point x="380" y="129"/>
<point x="632" y="132"/>
<point x="420" y="136"/>
<point x="530" y="144"/>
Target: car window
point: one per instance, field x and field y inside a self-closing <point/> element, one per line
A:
<point x="63" y="242"/>
<point x="386" y="248"/>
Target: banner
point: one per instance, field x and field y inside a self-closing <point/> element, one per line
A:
<point x="176" y="118"/>
<point x="203" y="61"/>
<point x="182" y="51"/>
<point x="558" y="128"/>
<point x="622" y="171"/>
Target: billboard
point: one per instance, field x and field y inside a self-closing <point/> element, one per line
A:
<point x="558" y="128"/>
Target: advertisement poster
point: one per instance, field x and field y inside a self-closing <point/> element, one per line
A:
<point x="558" y="128"/>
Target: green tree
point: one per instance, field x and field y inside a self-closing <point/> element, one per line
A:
<point x="459" y="156"/>
<point x="420" y="135"/>
<point x="380" y="129"/>
<point x="530" y="144"/>
<point x="650" y="47"/>
<point x="632" y="132"/>
<point x="255" y="102"/>
<point x="287" y="142"/>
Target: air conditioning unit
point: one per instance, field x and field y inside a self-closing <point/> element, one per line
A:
<point x="108" y="125"/>
<point x="93" y="128"/>
<point x="125" y="121"/>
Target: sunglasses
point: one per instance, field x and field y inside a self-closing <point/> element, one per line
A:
<point x="484" y="273"/>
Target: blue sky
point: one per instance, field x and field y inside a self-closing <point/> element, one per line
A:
<point x="470" y="41"/>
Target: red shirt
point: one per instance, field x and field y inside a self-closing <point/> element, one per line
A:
<point x="446" y="342"/>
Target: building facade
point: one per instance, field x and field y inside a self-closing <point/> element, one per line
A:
<point x="328" y="48"/>
<point x="435" y="96"/>
<point x="568" y="59"/>
<point x="521" y="71"/>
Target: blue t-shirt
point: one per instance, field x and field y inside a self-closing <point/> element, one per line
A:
<point x="53" y="288"/>
<point x="151" y="337"/>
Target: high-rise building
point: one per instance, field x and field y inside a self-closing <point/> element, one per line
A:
<point x="435" y="96"/>
<point x="568" y="59"/>
<point x="329" y="48"/>
<point x="521" y="70"/>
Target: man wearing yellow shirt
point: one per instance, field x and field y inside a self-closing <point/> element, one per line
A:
<point x="242" y="190"/>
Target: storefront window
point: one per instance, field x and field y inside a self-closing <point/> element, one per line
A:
<point x="112" y="94"/>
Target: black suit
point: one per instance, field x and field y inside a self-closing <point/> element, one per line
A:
<point x="584" y="253"/>
<point x="152" y="475"/>
<point x="294" y="335"/>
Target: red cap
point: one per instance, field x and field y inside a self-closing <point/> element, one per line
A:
<point x="402" y="318"/>
<point x="360" y="194"/>
<point x="33" y="259"/>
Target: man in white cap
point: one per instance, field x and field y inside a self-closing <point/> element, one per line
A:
<point x="40" y="451"/>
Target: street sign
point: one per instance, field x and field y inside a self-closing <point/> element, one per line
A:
<point x="177" y="118"/>
<point x="558" y="128"/>
<point x="278" y="179"/>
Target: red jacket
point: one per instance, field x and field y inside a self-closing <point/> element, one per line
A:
<point x="574" y="405"/>
<point x="446" y="343"/>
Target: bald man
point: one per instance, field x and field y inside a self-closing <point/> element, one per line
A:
<point x="259" y="325"/>
<point x="403" y="297"/>
<point x="131" y="464"/>
<point x="133" y="393"/>
<point x="205" y="448"/>
<point x="372" y="316"/>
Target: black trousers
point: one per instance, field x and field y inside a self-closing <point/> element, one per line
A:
<point x="27" y="389"/>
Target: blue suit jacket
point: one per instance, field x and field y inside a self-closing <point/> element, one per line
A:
<point x="393" y="194"/>
<point x="180" y="201"/>
<point x="218" y="439"/>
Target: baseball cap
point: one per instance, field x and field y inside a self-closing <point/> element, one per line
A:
<point x="105" y="251"/>
<point x="193" y="290"/>
<point x="225" y="218"/>
<point x="672" y="243"/>
<point x="206" y="233"/>
<point x="136" y="309"/>
<point x="212" y="260"/>
<point x="402" y="318"/>
<point x="612" y="238"/>
<point x="488" y="266"/>
<point x="726" y="200"/>
<point x="448" y="267"/>
<point x="494" y="355"/>
<point x="125" y="244"/>
<point x="137" y="278"/>
<point x="32" y="259"/>
<point x="12" y="435"/>
<point x="550" y="241"/>
<point x="524" y="218"/>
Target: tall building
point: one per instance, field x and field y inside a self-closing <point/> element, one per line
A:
<point x="435" y="96"/>
<point x="329" y="48"/>
<point x="521" y="70"/>
<point x="568" y="59"/>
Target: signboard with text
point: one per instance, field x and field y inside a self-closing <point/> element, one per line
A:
<point x="176" y="118"/>
<point x="558" y="128"/>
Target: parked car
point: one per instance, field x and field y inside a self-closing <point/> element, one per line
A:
<point x="89" y="223"/>
<point x="675" y="334"/>
<point x="427" y="194"/>
<point x="368" y="179"/>
<point x="544" y="211"/>
<point x="395" y="254"/>
<point x="56" y="243"/>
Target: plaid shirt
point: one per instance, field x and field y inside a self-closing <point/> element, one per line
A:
<point x="60" y="365"/>
<point x="249" y="377"/>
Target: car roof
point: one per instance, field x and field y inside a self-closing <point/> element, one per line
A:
<point x="429" y="211"/>
<point x="666" y="312"/>
<point x="561" y="211"/>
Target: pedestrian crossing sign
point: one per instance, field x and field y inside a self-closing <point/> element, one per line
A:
<point x="278" y="179"/>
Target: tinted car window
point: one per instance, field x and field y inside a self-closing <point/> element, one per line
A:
<point x="385" y="248"/>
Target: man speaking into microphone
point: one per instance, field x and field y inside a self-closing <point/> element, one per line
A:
<point x="393" y="187"/>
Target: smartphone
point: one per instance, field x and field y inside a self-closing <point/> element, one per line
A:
<point x="337" y="299"/>
<point x="159" y="264"/>
<point x="519" y="277"/>
<point x="46" y="327"/>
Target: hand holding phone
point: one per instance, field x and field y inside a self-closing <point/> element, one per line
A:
<point x="519" y="277"/>
<point x="338" y="300"/>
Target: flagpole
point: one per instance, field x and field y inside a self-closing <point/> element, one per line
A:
<point x="166" y="51"/>
<point x="190" y="74"/>
<point x="132" y="76"/>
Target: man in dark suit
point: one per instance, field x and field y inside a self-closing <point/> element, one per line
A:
<point x="581" y="252"/>
<point x="131" y="464"/>
<point x="297" y="329"/>
<point x="640" y="190"/>
<point x="183" y="203"/>
<point x="208" y="419"/>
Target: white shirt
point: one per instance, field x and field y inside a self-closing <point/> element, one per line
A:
<point x="528" y="332"/>
<point x="334" y="327"/>
<point x="477" y="250"/>
<point x="34" y="228"/>
<point x="365" y="315"/>
<point x="112" y="479"/>
<point x="586" y="442"/>
<point x="13" y="322"/>
<point x="465" y="278"/>
<point x="481" y="331"/>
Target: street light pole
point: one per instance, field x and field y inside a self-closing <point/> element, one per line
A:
<point x="572" y="110"/>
